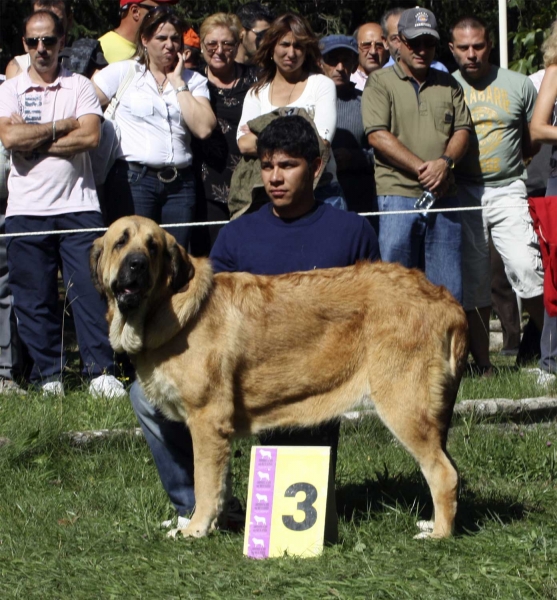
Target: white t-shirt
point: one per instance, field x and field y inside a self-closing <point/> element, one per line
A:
<point x="39" y="184"/>
<point x="153" y="131"/>
<point x="319" y="98"/>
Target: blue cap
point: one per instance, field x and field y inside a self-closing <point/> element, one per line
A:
<point x="332" y="42"/>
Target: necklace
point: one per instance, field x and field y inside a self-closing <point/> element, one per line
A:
<point x="160" y="86"/>
<point x="289" y="97"/>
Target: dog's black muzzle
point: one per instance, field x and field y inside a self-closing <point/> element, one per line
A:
<point x="132" y="282"/>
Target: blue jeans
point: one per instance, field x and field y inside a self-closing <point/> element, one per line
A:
<point x="171" y="446"/>
<point x="331" y="193"/>
<point x="132" y="192"/>
<point x="33" y="263"/>
<point x="431" y="243"/>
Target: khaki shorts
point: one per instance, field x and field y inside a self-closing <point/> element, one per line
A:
<point x="505" y="215"/>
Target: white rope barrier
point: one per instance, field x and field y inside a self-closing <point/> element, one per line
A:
<point x="208" y="223"/>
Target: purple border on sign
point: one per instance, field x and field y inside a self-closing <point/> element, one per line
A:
<point x="262" y="501"/>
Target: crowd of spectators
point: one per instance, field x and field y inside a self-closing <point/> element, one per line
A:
<point x="201" y="126"/>
<point x="182" y="115"/>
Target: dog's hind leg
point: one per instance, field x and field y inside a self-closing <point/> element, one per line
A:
<point x="423" y="431"/>
<point x="211" y="451"/>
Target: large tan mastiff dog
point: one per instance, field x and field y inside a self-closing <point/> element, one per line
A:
<point x="233" y="353"/>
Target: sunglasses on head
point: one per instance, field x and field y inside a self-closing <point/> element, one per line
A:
<point x="146" y="6"/>
<point x="48" y="41"/>
<point x="424" y="41"/>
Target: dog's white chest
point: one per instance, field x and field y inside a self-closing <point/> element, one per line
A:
<point x="163" y="393"/>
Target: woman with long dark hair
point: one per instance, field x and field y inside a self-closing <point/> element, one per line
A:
<point x="160" y="107"/>
<point x="290" y="75"/>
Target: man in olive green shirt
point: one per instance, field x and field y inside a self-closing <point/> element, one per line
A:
<point x="417" y="121"/>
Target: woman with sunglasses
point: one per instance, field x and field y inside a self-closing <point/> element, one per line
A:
<point x="160" y="107"/>
<point x="216" y="157"/>
<point x="290" y="75"/>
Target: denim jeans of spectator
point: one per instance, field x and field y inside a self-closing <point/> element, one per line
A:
<point x="171" y="446"/>
<point x="133" y="192"/>
<point x="331" y="193"/>
<point x="431" y="243"/>
<point x="33" y="264"/>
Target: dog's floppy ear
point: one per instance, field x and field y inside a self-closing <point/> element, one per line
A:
<point x="94" y="264"/>
<point x="180" y="267"/>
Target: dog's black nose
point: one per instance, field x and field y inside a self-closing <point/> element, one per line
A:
<point x="138" y="263"/>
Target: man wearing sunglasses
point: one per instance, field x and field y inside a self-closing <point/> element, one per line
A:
<point x="84" y="56"/>
<point x="416" y="120"/>
<point x="389" y="26"/>
<point x="255" y="19"/>
<point x="372" y="54"/>
<point x="119" y="44"/>
<point x="49" y="119"/>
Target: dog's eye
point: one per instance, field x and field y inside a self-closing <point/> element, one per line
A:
<point x="152" y="248"/>
<point x="120" y="243"/>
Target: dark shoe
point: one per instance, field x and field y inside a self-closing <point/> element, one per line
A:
<point x="486" y="372"/>
<point x="509" y="352"/>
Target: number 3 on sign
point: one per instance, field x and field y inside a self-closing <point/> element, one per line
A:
<point x="306" y="506"/>
<point x="287" y="501"/>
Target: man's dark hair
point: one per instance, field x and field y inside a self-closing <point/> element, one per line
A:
<point x="470" y="23"/>
<point x="293" y="135"/>
<point x="254" y="11"/>
<point x="58" y="24"/>
<point x="394" y="12"/>
<point x="49" y="4"/>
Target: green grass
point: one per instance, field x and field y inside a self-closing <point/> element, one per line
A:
<point x="83" y="521"/>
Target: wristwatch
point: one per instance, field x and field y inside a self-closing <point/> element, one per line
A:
<point x="182" y="88"/>
<point x="449" y="161"/>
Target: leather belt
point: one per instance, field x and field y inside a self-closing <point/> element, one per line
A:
<point x="167" y="174"/>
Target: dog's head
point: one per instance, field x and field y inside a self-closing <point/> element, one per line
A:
<point x="135" y="261"/>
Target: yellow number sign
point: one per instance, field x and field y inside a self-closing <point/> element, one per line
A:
<point x="287" y="501"/>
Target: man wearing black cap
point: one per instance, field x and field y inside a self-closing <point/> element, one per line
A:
<point x="120" y="44"/>
<point x="418" y="124"/>
<point x="353" y="156"/>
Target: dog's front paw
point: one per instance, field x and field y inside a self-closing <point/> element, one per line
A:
<point x="425" y="526"/>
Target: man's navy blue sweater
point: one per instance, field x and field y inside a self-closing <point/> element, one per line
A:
<point x="264" y="244"/>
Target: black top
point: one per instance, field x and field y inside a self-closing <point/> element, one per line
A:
<point x="217" y="156"/>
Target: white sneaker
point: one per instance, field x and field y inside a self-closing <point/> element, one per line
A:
<point x="543" y="378"/>
<point x="107" y="386"/>
<point x="53" y="388"/>
<point x="181" y="523"/>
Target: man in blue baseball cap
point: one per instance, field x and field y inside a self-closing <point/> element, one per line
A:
<point x="352" y="153"/>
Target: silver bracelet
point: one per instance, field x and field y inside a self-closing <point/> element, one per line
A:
<point x="53" y="131"/>
<point x="182" y="88"/>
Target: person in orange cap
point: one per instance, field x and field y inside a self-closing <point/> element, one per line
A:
<point x="192" y="49"/>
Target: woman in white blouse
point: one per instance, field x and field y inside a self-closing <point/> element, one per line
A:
<point x="161" y="107"/>
<point x="290" y="75"/>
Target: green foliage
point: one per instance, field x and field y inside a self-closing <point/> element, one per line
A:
<point x="525" y="18"/>
<point x="527" y="54"/>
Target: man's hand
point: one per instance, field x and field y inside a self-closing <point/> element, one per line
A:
<point x="17" y="119"/>
<point x="432" y="174"/>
